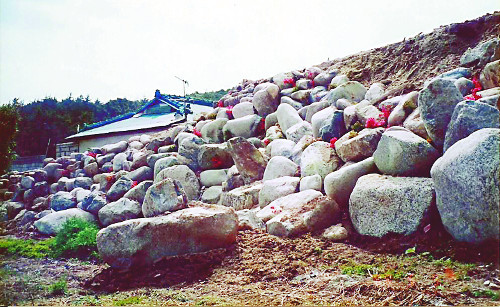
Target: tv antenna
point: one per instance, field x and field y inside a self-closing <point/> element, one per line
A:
<point x="184" y="83"/>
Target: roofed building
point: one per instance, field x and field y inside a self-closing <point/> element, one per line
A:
<point x="155" y="116"/>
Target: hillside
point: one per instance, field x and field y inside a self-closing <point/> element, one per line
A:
<point x="368" y="180"/>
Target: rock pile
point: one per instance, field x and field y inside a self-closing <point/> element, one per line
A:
<point x="288" y="154"/>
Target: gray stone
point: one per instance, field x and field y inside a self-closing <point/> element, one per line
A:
<point x="51" y="169"/>
<point x="464" y="85"/>
<point x="212" y="131"/>
<point x="243" y="109"/>
<point x="360" y="146"/>
<point x="437" y="102"/>
<point x="114" y="148"/>
<point x="52" y="223"/>
<point x="62" y="201"/>
<point x="468" y="117"/>
<point x="94" y="202"/>
<point x="288" y="202"/>
<point x="276" y="188"/>
<point x="91" y="169"/>
<point x="287" y="117"/>
<point x="299" y="148"/>
<point x="247" y="219"/>
<point x="303" y="96"/>
<point x="375" y="91"/>
<point x="313" y="182"/>
<point x="12" y="208"/>
<point x="141" y="158"/>
<point x="119" y="188"/>
<point x="189" y="148"/>
<point x="280" y="147"/>
<point x="335" y="233"/>
<point x="298" y="131"/>
<point x="481" y="54"/>
<point x="401" y="152"/>
<point x="338" y="80"/>
<point x="118" y="161"/>
<point x="319" y="158"/>
<point x="214" y="156"/>
<point x="166" y="162"/>
<point x="245" y="197"/>
<point x="247" y="159"/>
<point x="119" y="211"/>
<point x="101" y="159"/>
<point x="311" y="216"/>
<point x="295" y="104"/>
<point x="318" y="119"/>
<point x="41" y="189"/>
<point x="83" y="182"/>
<point x="27" y="182"/>
<point x="183" y="175"/>
<point x="351" y="90"/>
<point x="405" y="106"/>
<point x="365" y="110"/>
<point x="314" y="108"/>
<point x="415" y="124"/>
<point x="340" y="183"/>
<point x="325" y="78"/>
<point x="266" y="98"/>
<point x="141" y="174"/>
<point x="490" y="76"/>
<point x="166" y="195"/>
<point x="40" y="175"/>
<point x="382" y="204"/>
<point x="141" y="242"/>
<point x="151" y="160"/>
<point x="279" y="166"/>
<point x="138" y="192"/>
<point x="467" y="187"/>
<point x="214" y="177"/>
<point x="246" y="127"/>
<point x="333" y="126"/>
<point x="212" y="195"/>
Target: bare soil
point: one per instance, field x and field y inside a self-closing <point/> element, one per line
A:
<point x="261" y="269"/>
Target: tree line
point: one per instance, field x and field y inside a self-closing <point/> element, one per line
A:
<point x="35" y="128"/>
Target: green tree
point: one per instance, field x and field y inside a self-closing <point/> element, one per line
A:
<point x="9" y="118"/>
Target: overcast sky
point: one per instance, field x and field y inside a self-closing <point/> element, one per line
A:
<point x="108" y="49"/>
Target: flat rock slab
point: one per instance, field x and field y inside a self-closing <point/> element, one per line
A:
<point x="141" y="242"/>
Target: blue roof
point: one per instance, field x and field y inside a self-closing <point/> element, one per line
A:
<point x="140" y="121"/>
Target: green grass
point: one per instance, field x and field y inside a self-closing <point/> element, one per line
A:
<point x="494" y="295"/>
<point x="133" y="300"/>
<point x="59" y="287"/>
<point x="77" y="239"/>
<point x="26" y="248"/>
<point x="359" y="269"/>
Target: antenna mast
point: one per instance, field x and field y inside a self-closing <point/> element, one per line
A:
<point x="184" y="83"/>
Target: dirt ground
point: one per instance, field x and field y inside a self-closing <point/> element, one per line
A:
<point x="261" y="269"/>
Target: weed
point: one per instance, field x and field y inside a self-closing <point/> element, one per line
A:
<point x="26" y="248"/>
<point x="90" y="300"/>
<point x="318" y="251"/>
<point x="59" y="287"/>
<point x="77" y="238"/>
<point x="133" y="300"/>
<point x="410" y="251"/>
<point x="359" y="269"/>
<point x="494" y="295"/>
<point x="391" y="275"/>
<point x="212" y="301"/>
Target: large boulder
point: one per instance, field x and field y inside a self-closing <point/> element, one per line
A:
<point x="287" y="116"/>
<point x="266" y="98"/>
<point x="318" y="119"/>
<point x="119" y="188"/>
<point x="212" y="195"/>
<point x="119" y="211"/>
<point x="340" y="183"/>
<point x="243" y="109"/>
<point x="163" y="196"/>
<point x="437" y="102"/>
<point x="382" y="204"/>
<point x="246" y="127"/>
<point x="51" y="169"/>
<point x="114" y="148"/>
<point x="280" y="166"/>
<point x="249" y="161"/>
<point x="93" y="202"/>
<point x="481" y="54"/>
<point x="214" y="156"/>
<point x="138" y="192"/>
<point x="212" y="131"/>
<point x="62" y="201"/>
<point x="350" y="90"/>
<point x="213" y="177"/>
<point x="333" y="126"/>
<point x="189" y="147"/>
<point x="83" y="182"/>
<point x="468" y="188"/>
<point x="245" y="197"/>
<point x="415" y="124"/>
<point x="400" y="152"/>
<point x="276" y="188"/>
<point x="141" y="242"/>
<point x="468" y="117"/>
<point x="52" y="223"/>
<point x="295" y="200"/>
<point x="296" y="219"/>
<point x="490" y="76"/>
<point x="359" y="146"/>
<point x="141" y="174"/>
<point x="185" y="176"/>
<point x="280" y="147"/>
<point x="298" y="131"/>
<point x="319" y="158"/>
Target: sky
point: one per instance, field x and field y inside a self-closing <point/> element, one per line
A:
<point x="108" y="49"/>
